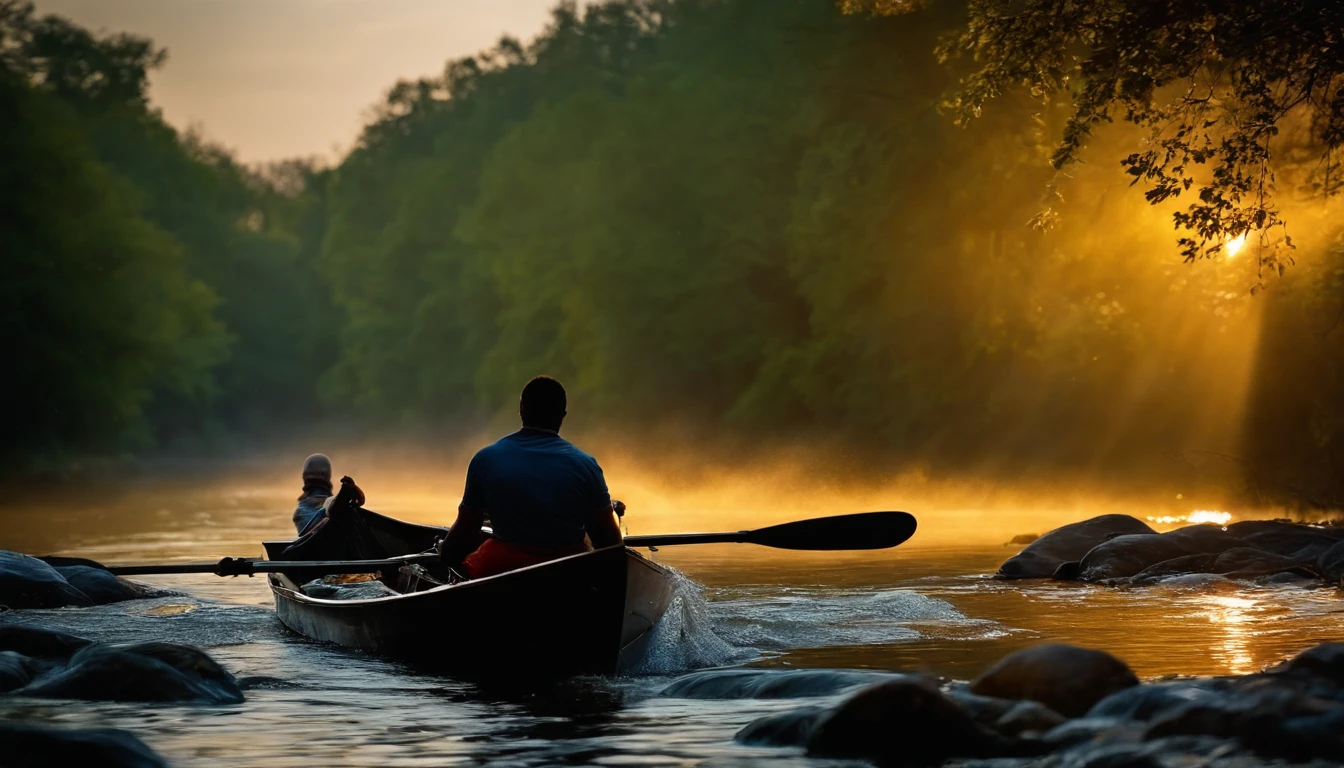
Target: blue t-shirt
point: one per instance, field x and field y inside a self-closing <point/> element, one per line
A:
<point x="537" y="488"/>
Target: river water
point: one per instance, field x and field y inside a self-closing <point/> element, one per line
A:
<point x="928" y="605"/>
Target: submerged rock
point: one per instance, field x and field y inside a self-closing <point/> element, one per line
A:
<point x="141" y="672"/>
<point x="1067" y="544"/>
<point x="767" y="684"/>
<point x="1065" y="678"/>
<point x="789" y="729"/>
<point x="906" y="720"/>
<point x="32" y="746"/>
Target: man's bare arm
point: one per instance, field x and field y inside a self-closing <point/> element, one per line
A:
<point x="603" y="530"/>
<point x="464" y="537"/>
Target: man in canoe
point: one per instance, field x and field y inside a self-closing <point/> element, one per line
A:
<point x="542" y="494"/>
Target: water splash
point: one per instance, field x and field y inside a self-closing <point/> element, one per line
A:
<point x="684" y="639"/>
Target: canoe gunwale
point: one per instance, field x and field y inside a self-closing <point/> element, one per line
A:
<point x="299" y="597"/>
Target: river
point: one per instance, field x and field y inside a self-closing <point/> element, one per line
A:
<point x="928" y="605"/>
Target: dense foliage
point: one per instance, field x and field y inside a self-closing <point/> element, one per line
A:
<point x="154" y="290"/>
<point x="732" y="222"/>
<point x="1230" y="95"/>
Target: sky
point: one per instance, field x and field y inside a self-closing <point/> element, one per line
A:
<point x="273" y="79"/>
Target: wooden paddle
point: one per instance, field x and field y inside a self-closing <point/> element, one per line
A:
<point x="865" y="530"/>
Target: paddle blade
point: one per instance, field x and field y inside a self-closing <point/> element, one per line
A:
<point x="865" y="530"/>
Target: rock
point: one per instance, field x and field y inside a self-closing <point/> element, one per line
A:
<point x="1246" y="562"/>
<point x="906" y="721"/>
<point x="1294" y="540"/>
<point x="31" y="746"/>
<point x="26" y="582"/>
<point x="1177" y="566"/>
<point x="1028" y="717"/>
<point x="1066" y="544"/>
<point x="1275" y="722"/>
<point x="1098" y="730"/>
<point x="1323" y="662"/>
<point x="1022" y="539"/>
<point x="767" y="684"/>
<point x="1125" y="556"/>
<point x="142" y="672"/>
<point x="1205" y="538"/>
<point x="102" y="587"/>
<point x="16" y="671"/>
<point x="1066" y="678"/>
<point x="40" y="643"/>
<point x="1330" y="563"/>
<point x="790" y="729"/>
<point x="1145" y="702"/>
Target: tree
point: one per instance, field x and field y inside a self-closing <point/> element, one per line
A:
<point x="1234" y="97"/>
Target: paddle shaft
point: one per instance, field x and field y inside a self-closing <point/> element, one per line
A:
<point x="866" y="530"/>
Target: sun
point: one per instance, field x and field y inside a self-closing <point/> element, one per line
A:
<point x="1234" y="245"/>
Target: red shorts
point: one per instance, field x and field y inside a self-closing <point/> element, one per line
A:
<point x="496" y="557"/>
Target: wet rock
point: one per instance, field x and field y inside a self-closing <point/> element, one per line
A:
<point x="767" y="684"/>
<point x="30" y="746"/>
<point x="40" y="643"/>
<point x="1324" y="662"/>
<point x="102" y="587"/>
<point x="1286" y="539"/>
<point x="1177" y="566"/>
<point x="1205" y="538"/>
<point x="16" y="671"/>
<point x="1028" y="717"/>
<point x="790" y="729"/>
<point x="1145" y="754"/>
<point x="1066" y="678"/>
<point x="1146" y="702"/>
<point x="1271" y="721"/>
<point x="1255" y="562"/>
<point x="1330" y="563"/>
<point x="1069" y="543"/>
<point x="26" y="582"/>
<point x="1125" y="556"/>
<point x="141" y="672"/>
<point x="906" y="720"/>
<point x="1094" y="730"/>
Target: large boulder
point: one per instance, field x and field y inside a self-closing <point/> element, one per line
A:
<point x="1065" y="678"/>
<point x="142" y="672"/>
<point x="26" y="582"/>
<point x="1126" y="556"/>
<point x="906" y="720"/>
<point x="103" y="587"/>
<point x="32" y="746"/>
<point x="1067" y="544"/>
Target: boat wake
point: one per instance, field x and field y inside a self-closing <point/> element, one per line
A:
<point x="685" y="639"/>
<point x="720" y="627"/>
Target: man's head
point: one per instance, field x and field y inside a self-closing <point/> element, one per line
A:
<point x="543" y="403"/>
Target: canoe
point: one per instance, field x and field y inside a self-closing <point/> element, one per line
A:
<point x="590" y="613"/>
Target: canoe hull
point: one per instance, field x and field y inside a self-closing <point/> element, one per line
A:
<point x="590" y="613"/>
